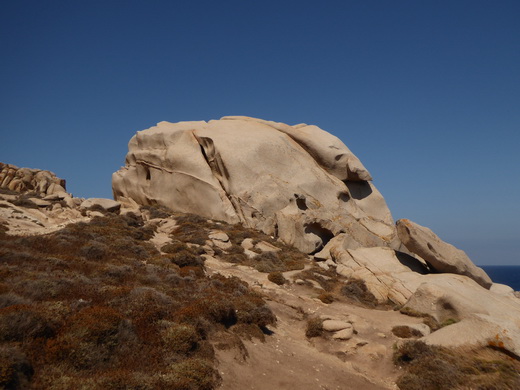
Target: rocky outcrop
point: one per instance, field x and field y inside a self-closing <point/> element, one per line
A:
<point x="440" y="256"/>
<point x="30" y="180"/>
<point x="299" y="183"/>
<point x="305" y="187"/>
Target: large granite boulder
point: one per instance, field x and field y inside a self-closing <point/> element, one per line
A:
<point x="441" y="256"/>
<point x="299" y="183"/>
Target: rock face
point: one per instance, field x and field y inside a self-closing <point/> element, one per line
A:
<point x="299" y="183"/>
<point x="441" y="256"/>
<point x="26" y="179"/>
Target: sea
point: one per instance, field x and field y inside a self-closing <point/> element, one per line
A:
<point x="505" y="274"/>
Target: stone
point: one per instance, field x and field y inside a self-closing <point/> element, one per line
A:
<point x="298" y="183"/>
<point x="222" y="244"/>
<point x="217" y="235"/>
<point x="441" y="256"/>
<point x="103" y="203"/>
<point x="247" y="243"/>
<point x="335" y="325"/>
<point x="344" y="334"/>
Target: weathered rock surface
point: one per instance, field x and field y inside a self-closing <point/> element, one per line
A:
<point x="26" y="179"/>
<point x="441" y="256"/>
<point x="297" y="182"/>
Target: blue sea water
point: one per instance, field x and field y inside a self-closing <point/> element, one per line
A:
<point x="505" y="274"/>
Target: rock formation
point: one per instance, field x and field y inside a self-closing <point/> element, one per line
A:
<point x="26" y="179"/>
<point x="304" y="186"/>
<point x="299" y="183"/>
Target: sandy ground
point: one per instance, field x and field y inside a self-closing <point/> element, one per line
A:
<point x="289" y="360"/>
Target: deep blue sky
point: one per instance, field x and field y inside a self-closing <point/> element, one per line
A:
<point x="425" y="93"/>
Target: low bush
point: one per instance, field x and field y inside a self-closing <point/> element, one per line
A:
<point x="357" y="290"/>
<point x="435" y="368"/>
<point x="314" y="327"/>
<point x="326" y="297"/>
<point x="15" y="369"/>
<point x="277" y="278"/>
<point x="405" y="332"/>
<point x="186" y="258"/>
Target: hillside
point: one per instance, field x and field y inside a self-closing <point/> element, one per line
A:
<point x="266" y="261"/>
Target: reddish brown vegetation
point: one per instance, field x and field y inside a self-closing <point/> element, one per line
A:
<point x="99" y="298"/>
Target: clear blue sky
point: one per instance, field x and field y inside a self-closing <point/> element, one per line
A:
<point x="426" y="93"/>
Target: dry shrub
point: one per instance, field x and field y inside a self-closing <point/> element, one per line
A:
<point x="174" y="246"/>
<point x="277" y="278"/>
<point x="89" y="338"/>
<point x="357" y="290"/>
<point x="314" y="327"/>
<point x="430" y="367"/>
<point x="191" y="374"/>
<point x="180" y="338"/>
<point x="15" y="369"/>
<point x="326" y="297"/>
<point x="156" y="211"/>
<point x="21" y="322"/>
<point x="186" y="258"/>
<point x="405" y="332"/>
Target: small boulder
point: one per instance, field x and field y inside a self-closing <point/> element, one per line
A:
<point x="217" y="235"/>
<point x="344" y="334"/>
